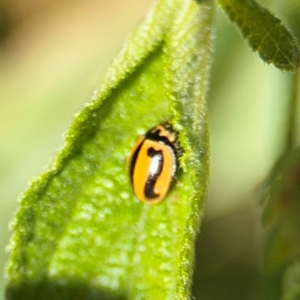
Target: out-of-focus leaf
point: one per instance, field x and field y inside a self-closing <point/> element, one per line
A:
<point x="264" y="32"/>
<point x="281" y="219"/>
<point x="291" y="282"/>
<point x="80" y="233"/>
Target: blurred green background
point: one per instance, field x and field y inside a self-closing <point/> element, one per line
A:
<point x="52" y="55"/>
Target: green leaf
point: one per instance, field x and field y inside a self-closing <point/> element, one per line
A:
<point x="281" y="219"/>
<point x="291" y="282"/>
<point x="80" y="233"/>
<point x="264" y="32"/>
<point x="281" y="212"/>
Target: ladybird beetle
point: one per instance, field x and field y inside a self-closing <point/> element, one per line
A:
<point x="153" y="162"/>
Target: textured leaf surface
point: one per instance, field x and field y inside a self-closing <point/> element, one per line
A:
<point x="80" y="233"/>
<point x="264" y="32"/>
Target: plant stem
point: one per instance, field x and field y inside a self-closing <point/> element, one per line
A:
<point x="293" y="114"/>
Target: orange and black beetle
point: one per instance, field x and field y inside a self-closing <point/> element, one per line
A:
<point x="153" y="162"/>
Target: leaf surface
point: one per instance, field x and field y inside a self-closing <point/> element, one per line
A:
<point x="264" y="32"/>
<point x="80" y="233"/>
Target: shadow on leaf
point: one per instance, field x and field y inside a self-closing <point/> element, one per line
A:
<point x="67" y="290"/>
